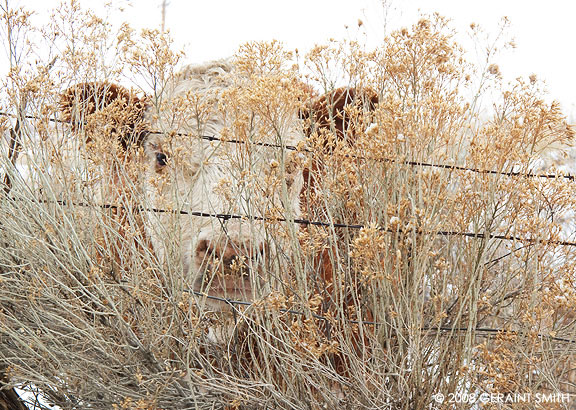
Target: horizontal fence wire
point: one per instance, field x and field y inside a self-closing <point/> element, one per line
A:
<point x="388" y="160"/>
<point x="422" y="164"/>
<point x="33" y="117"/>
<point x="305" y="222"/>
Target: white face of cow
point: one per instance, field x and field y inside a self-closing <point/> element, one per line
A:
<point x="188" y="173"/>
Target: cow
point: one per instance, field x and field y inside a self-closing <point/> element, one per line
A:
<point x="189" y="166"/>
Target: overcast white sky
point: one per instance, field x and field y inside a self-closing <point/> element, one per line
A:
<point x="544" y="31"/>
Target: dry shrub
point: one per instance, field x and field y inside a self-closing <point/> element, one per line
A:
<point x="383" y="314"/>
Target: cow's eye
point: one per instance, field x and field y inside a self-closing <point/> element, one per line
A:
<point x="161" y="159"/>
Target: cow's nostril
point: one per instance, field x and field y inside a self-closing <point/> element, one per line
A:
<point x="227" y="267"/>
<point x="204" y="250"/>
<point x="202" y="246"/>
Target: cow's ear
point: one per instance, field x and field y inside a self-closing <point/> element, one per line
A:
<point x="120" y="109"/>
<point x="318" y="111"/>
<point x="329" y="111"/>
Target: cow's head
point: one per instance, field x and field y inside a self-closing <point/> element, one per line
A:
<point x="248" y="177"/>
<point x="187" y="173"/>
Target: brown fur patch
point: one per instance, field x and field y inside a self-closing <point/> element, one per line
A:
<point x="124" y="110"/>
<point x="329" y="111"/>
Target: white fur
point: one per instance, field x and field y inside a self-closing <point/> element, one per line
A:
<point x="197" y="168"/>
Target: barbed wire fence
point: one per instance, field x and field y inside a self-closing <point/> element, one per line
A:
<point x="306" y="222"/>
